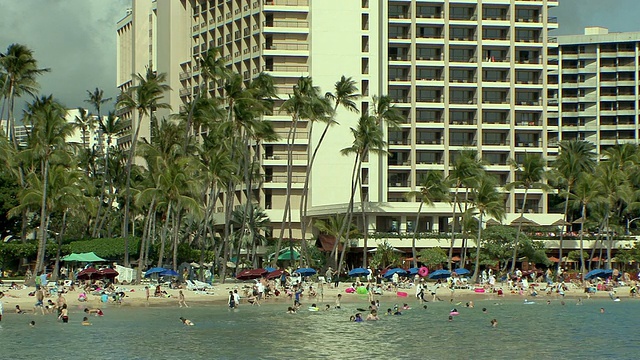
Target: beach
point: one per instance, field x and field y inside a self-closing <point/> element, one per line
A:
<point x="135" y="296"/>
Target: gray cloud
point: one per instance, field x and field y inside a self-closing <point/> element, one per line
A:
<point x="75" y="38"/>
<point x="617" y="15"/>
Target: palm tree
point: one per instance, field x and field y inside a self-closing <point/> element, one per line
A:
<point x="47" y="143"/>
<point x="367" y="138"/>
<point x="19" y="71"/>
<point x="529" y="175"/>
<point x="574" y="158"/>
<point x="246" y="237"/>
<point x="487" y="200"/>
<point x="344" y="95"/>
<point x="306" y="102"/>
<point x="85" y="123"/>
<point x="109" y="128"/>
<point x="433" y="187"/>
<point x="145" y="97"/>
<point x="586" y="192"/>
<point x="467" y="169"/>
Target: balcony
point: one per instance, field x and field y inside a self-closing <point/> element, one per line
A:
<point x="286" y="2"/>
<point x="287" y="46"/>
<point x="286" y="24"/>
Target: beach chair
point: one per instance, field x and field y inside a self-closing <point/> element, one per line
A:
<point x="191" y="285"/>
<point x="203" y="285"/>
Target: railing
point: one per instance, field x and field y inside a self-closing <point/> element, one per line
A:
<point x="287" y="68"/>
<point x="283" y="179"/>
<point x="501" y="142"/>
<point x="286" y="24"/>
<point x="284" y="156"/>
<point x="287" y="2"/>
<point x="285" y="46"/>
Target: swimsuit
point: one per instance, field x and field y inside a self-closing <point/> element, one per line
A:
<point x="65" y="319"/>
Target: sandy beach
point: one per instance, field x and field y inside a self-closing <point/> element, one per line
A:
<point x="136" y="296"/>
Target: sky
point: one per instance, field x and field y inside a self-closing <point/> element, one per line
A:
<point x="77" y="38"/>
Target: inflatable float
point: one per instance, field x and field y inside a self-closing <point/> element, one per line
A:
<point x="401" y="294"/>
<point x="423" y="271"/>
<point x="454" y="313"/>
<point x="479" y="290"/>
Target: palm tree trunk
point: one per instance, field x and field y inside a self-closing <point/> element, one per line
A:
<point x="125" y="220"/>
<point x="415" y="235"/>
<point x="345" y="226"/>
<point x="453" y="227"/>
<point x="515" y="245"/>
<point x="365" y="225"/>
<point x="163" y="235"/>
<point x="609" y="244"/>
<point x="56" y="267"/>
<point x="43" y="217"/>
<point x="347" y="223"/>
<point x="595" y="245"/>
<point x="287" y="202"/>
<point x="563" y="229"/>
<point x="105" y="170"/>
<point x="584" y="213"/>
<point x="145" y="235"/>
<point x="177" y="220"/>
<point x="474" y="278"/>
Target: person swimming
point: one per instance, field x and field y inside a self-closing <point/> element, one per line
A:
<point x="186" y="321"/>
<point x="313" y="307"/>
<point x="327" y="307"/>
<point x="484" y="310"/>
<point x="405" y="307"/>
<point x="450" y="318"/>
<point x="494" y="323"/>
<point x="291" y="310"/>
<point x="85" y="321"/>
<point x="96" y="311"/>
<point x="19" y="311"/>
<point x="358" y="318"/>
<point x="32" y="323"/>
<point x="373" y="316"/>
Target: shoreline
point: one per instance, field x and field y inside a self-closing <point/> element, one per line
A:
<point x="136" y="298"/>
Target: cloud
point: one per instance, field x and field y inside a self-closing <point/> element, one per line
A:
<point x="76" y="39"/>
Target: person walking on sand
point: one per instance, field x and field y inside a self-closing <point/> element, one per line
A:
<point x="181" y="299"/>
<point x="39" y="301"/>
<point x="146" y="289"/>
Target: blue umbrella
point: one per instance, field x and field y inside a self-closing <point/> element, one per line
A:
<point x="462" y="271"/>
<point x="305" y="271"/>
<point x="414" y="271"/>
<point x="358" y="272"/>
<point x="270" y="269"/>
<point x="594" y="274"/>
<point x="390" y="272"/>
<point x="440" y="274"/>
<point x="155" y="270"/>
<point x="169" y="272"/>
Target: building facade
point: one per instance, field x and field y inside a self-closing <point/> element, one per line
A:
<point x="598" y="87"/>
<point x="465" y="74"/>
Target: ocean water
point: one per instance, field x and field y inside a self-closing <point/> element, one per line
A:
<point x="537" y="331"/>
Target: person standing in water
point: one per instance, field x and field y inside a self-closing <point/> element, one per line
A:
<point x="64" y="314"/>
<point x="231" y="301"/>
<point x="181" y="300"/>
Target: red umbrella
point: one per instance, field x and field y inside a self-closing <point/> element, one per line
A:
<point x="108" y="273"/>
<point x="87" y="273"/>
<point x="250" y="274"/>
<point x="275" y="274"/>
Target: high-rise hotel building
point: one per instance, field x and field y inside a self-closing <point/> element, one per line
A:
<point x="466" y="74"/>
<point x="598" y="83"/>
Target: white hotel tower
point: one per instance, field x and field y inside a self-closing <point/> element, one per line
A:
<point x="467" y="74"/>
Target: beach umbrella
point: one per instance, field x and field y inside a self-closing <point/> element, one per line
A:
<point x="169" y="272"/>
<point x="413" y="271"/>
<point x="389" y="273"/>
<point x="560" y="222"/>
<point x="108" y="273"/>
<point x="461" y="271"/>
<point x="440" y="274"/>
<point x="250" y="274"/>
<point x="594" y="274"/>
<point x="305" y="271"/>
<point x="270" y="269"/>
<point x="275" y="274"/>
<point x="358" y="272"/>
<point x="87" y="273"/>
<point x="553" y="259"/>
<point x="155" y="270"/>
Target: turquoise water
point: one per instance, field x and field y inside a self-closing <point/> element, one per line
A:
<point x="536" y="331"/>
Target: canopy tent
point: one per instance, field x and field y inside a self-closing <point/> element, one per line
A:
<point x="83" y="257"/>
<point x="285" y="254"/>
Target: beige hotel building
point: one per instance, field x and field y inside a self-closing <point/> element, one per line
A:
<point x="467" y="74"/>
